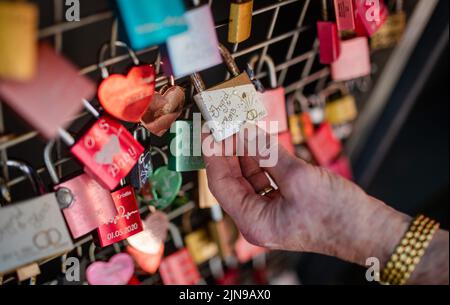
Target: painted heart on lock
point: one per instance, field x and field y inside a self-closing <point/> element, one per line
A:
<point x="118" y="271"/>
<point x="165" y="108"/>
<point x="128" y="97"/>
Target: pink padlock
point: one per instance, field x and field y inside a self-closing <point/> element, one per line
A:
<point x="273" y="99"/>
<point x="86" y="205"/>
<point x="54" y="95"/>
<point x="354" y="61"/>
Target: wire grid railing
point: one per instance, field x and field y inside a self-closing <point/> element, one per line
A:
<point x="291" y="59"/>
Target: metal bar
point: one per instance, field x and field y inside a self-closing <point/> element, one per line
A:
<point x="268" y="36"/>
<point x="389" y="77"/>
<point x="293" y="43"/>
<point x="383" y="148"/>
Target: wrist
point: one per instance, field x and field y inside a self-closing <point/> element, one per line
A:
<point x="375" y="231"/>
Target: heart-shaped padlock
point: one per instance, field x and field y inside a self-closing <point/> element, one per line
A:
<point x="118" y="271"/>
<point x="163" y="186"/>
<point x="165" y="108"/>
<point x="126" y="97"/>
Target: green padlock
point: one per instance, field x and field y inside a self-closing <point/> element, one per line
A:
<point x="185" y="147"/>
<point x="163" y="187"/>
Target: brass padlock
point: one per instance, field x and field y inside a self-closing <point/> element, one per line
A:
<point x="240" y="26"/>
<point x="392" y="30"/>
<point x="222" y="231"/>
<point x="342" y="110"/>
<point x="205" y="198"/>
<point x="18" y="40"/>
<point x="300" y="124"/>
<point x="228" y="106"/>
<point x="200" y="246"/>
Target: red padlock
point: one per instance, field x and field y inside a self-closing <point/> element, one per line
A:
<point x="126" y="98"/>
<point x="329" y="43"/>
<point x="345" y="17"/>
<point x="342" y="167"/>
<point x="107" y="150"/>
<point x="370" y="16"/>
<point x="179" y="268"/>
<point x="127" y="222"/>
<point x="324" y="146"/>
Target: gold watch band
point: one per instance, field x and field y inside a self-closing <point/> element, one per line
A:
<point x="410" y="251"/>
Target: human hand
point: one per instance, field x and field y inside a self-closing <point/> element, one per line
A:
<point x="313" y="210"/>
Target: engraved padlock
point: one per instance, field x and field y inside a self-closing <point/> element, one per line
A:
<point x="126" y="223"/>
<point x="228" y="106"/>
<point x="179" y="268"/>
<point x="240" y="23"/>
<point x="36" y="226"/>
<point x="144" y="167"/>
<point x="86" y="205"/>
<point x="107" y="150"/>
<point x="345" y="17"/>
<point x="273" y="99"/>
<point x="339" y="110"/>
<point x="128" y="97"/>
<point x="196" y="49"/>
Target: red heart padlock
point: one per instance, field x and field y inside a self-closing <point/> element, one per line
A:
<point x="127" y="98"/>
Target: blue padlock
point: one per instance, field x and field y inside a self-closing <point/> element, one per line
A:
<point x="149" y="23"/>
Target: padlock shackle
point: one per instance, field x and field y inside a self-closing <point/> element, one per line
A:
<point x="106" y="47"/>
<point x="176" y="236"/>
<point x="198" y="82"/>
<point x="140" y="130"/>
<point x="48" y="161"/>
<point x="266" y="59"/>
<point x="335" y="87"/>
<point x="297" y="98"/>
<point x="229" y="60"/>
<point x="36" y="181"/>
<point x="161" y="153"/>
<point x="325" y="10"/>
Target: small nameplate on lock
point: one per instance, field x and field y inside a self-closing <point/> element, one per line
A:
<point x="227" y="109"/>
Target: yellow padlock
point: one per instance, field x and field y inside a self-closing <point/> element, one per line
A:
<point x="200" y="246"/>
<point x="18" y="40"/>
<point x="240" y="27"/>
<point x="342" y="110"/>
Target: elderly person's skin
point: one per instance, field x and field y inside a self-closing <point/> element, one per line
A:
<point x="316" y="211"/>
